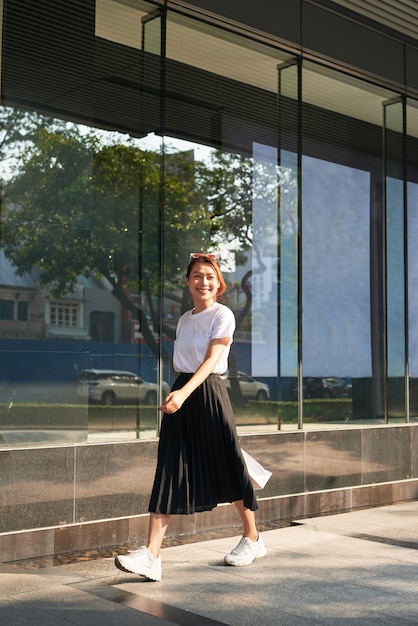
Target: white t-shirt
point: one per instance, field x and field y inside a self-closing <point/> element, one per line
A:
<point x="194" y="333"/>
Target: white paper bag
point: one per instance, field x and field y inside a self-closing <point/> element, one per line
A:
<point x="258" y="474"/>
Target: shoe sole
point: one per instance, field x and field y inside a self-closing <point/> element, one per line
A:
<point x="259" y="556"/>
<point x="119" y="565"/>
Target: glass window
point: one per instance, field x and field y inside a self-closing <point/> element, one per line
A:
<point x="6" y="309"/>
<point x="221" y="134"/>
<point x="166" y="136"/>
<point x="342" y="262"/>
<point x="81" y="197"/>
<point x="63" y="314"/>
<point x="22" y="311"/>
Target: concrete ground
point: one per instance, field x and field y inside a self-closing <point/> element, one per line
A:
<point x="352" y="568"/>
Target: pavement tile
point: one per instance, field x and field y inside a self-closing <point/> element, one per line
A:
<point x="315" y="572"/>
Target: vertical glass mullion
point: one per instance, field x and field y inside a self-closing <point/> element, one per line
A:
<point x="153" y="80"/>
<point x="396" y="392"/>
<point x="289" y="90"/>
<point x="412" y="268"/>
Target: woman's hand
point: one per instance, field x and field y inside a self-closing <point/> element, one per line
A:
<point x="173" y="401"/>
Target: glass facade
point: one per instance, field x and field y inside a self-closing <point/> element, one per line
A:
<point x="162" y="134"/>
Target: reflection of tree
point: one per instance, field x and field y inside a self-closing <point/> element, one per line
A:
<point x="232" y="185"/>
<point x="77" y="205"/>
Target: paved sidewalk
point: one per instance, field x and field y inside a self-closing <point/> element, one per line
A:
<point x="352" y="568"/>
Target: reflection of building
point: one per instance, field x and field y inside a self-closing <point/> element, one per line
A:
<point x="64" y="317"/>
<point x="28" y="311"/>
<point x="232" y="87"/>
<point x="21" y="313"/>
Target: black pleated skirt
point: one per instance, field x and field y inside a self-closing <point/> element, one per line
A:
<point x="200" y="463"/>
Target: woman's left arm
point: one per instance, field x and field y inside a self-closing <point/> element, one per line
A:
<point x="175" y="399"/>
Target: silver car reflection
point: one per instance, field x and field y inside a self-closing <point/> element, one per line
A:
<point x="251" y="389"/>
<point x="117" y="387"/>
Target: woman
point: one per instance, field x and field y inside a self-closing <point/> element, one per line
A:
<point x="200" y="463"/>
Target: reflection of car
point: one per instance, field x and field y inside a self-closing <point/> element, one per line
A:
<point x="328" y="387"/>
<point x="250" y="388"/>
<point x="114" y="386"/>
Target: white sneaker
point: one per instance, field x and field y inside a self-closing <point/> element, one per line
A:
<point x="246" y="552"/>
<point x="140" y="562"/>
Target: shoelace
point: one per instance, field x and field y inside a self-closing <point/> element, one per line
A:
<point x="241" y="546"/>
<point x="142" y="550"/>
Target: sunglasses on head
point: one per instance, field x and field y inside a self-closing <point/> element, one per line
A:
<point x="206" y="255"/>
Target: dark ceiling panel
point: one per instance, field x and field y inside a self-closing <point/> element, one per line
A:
<point x="398" y="15"/>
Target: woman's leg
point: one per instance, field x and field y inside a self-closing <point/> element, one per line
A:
<point x="158" y="524"/>
<point x="248" y="521"/>
<point x="251" y="545"/>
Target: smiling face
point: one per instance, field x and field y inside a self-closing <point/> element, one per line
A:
<point x="203" y="284"/>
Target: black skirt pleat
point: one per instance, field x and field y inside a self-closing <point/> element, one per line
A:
<point x="200" y="463"/>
